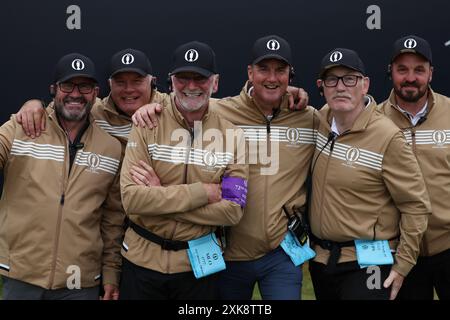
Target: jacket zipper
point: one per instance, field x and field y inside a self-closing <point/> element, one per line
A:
<point x="324" y="182"/>
<point x="58" y="223"/>
<point x="413" y="141"/>
<point x="269" y="151"/>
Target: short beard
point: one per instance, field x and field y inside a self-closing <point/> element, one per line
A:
<point x="410" y="97"/>
<point x="63" y="114"/>
<point x="187" y="106"/>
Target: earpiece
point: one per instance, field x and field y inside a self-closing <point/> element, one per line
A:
<point x="389" y="71"/>
<point x="169" y="83"/>
<point x="291" y="74"/>
<point x="52" y="91"/>
<point x="320" y="90"/>
<point x="153" y="83"/>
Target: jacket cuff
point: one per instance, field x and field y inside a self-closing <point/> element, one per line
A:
<point x="111" y="276"/>
<point x="198" y="195"/>
<point x="401" y="266"/>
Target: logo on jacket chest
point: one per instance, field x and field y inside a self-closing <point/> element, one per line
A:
<point x="210" y="160"/>
<point x="293" y="136"/>
<point x="351" y="156"/>
<point x="93" y="161"/>
<point x="439" y="138"/>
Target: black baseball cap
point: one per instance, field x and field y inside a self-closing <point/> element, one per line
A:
<point x="196" y="57"/>
<point x="272" y="46"/>
<point x="74" y="65"/>
<point x="130" y="60"/>
<point x="341" y="57"/>
<point x="413" y="44"/>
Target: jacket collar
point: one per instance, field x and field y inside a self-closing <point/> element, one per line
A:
<point x="431" y="100"/>
<point x="254" y="107"/>
<point x="53" y="117"/>
<point x="170" y="102"/>
<point x="361" y="122"/>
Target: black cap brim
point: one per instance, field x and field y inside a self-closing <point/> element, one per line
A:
<point x="137" y="70"/>
<point x="73" y="75"/>
<point x="203" y="72"/>
<point x="270" y="56"/>
<point x="410" y="51"/>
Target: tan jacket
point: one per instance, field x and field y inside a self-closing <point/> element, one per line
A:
<point x="274" y="181"/>
<point x="52" y="220"/>
<point x="178" y="210"/>
<point x="369" y="187"/>
<point x="430" y="141"/>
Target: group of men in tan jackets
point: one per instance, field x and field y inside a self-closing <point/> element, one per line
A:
<point x="237" y="165"/>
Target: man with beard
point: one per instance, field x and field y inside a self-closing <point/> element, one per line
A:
<point x="132" y="86"/>
<point x="197" y="181"/>
<point x="423" y="116"/>
<point x="281" y="145"/>
<point x="60" y="214"/>
<point x="368" y="196"/>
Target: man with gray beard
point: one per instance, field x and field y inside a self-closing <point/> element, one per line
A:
<point x="196" y="182"/>
<point x="60" y="213"/>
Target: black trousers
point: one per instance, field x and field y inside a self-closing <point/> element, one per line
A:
<point x="138" y="283"/>
<point x="349" y="282"/>
<point x="428" y="273"/>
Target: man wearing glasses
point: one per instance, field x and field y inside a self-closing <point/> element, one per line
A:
<point x="132" y="86"/>
<point x="368" y="194"/>
<point x="61" y="218"/>
<point x="423" y="115"/>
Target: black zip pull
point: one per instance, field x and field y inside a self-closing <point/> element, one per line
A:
<point x="62" y="199"/>
<point x="332" y="145"/>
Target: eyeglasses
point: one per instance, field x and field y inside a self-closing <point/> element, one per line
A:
<point x="348" y="80"/>
<point x="83" y="88"/>
<point x="185" y="79"/>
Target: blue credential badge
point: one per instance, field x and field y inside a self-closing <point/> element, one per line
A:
<point x="298" y="253"/>
<point x="373" y="253"/>
<point x="205" y="256"/>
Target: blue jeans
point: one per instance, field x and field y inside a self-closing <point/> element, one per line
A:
<point x="277" y="277"/>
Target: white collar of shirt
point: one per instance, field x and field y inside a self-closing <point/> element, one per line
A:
<point x="415" y="119"/>
<point x="333" y="121"/>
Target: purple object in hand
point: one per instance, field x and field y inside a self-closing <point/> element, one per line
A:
<point x="235" y="189"/>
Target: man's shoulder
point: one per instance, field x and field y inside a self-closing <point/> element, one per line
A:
<point x="216" y="117"/>
<point x="100" y="136"/>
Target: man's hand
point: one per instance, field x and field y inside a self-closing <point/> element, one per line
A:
<point x="298" y="98"/>
<point x="213" y="191"/>
<point x="396" y="280"/>
<point x="31" y="117"/>
<point x="111" y="292"/>
<point x="144" y="175"/>
<point x="146" y="116"/>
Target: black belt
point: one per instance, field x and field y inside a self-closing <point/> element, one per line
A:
<point x="334" y="248"/>
<point x="166" y="244"/>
